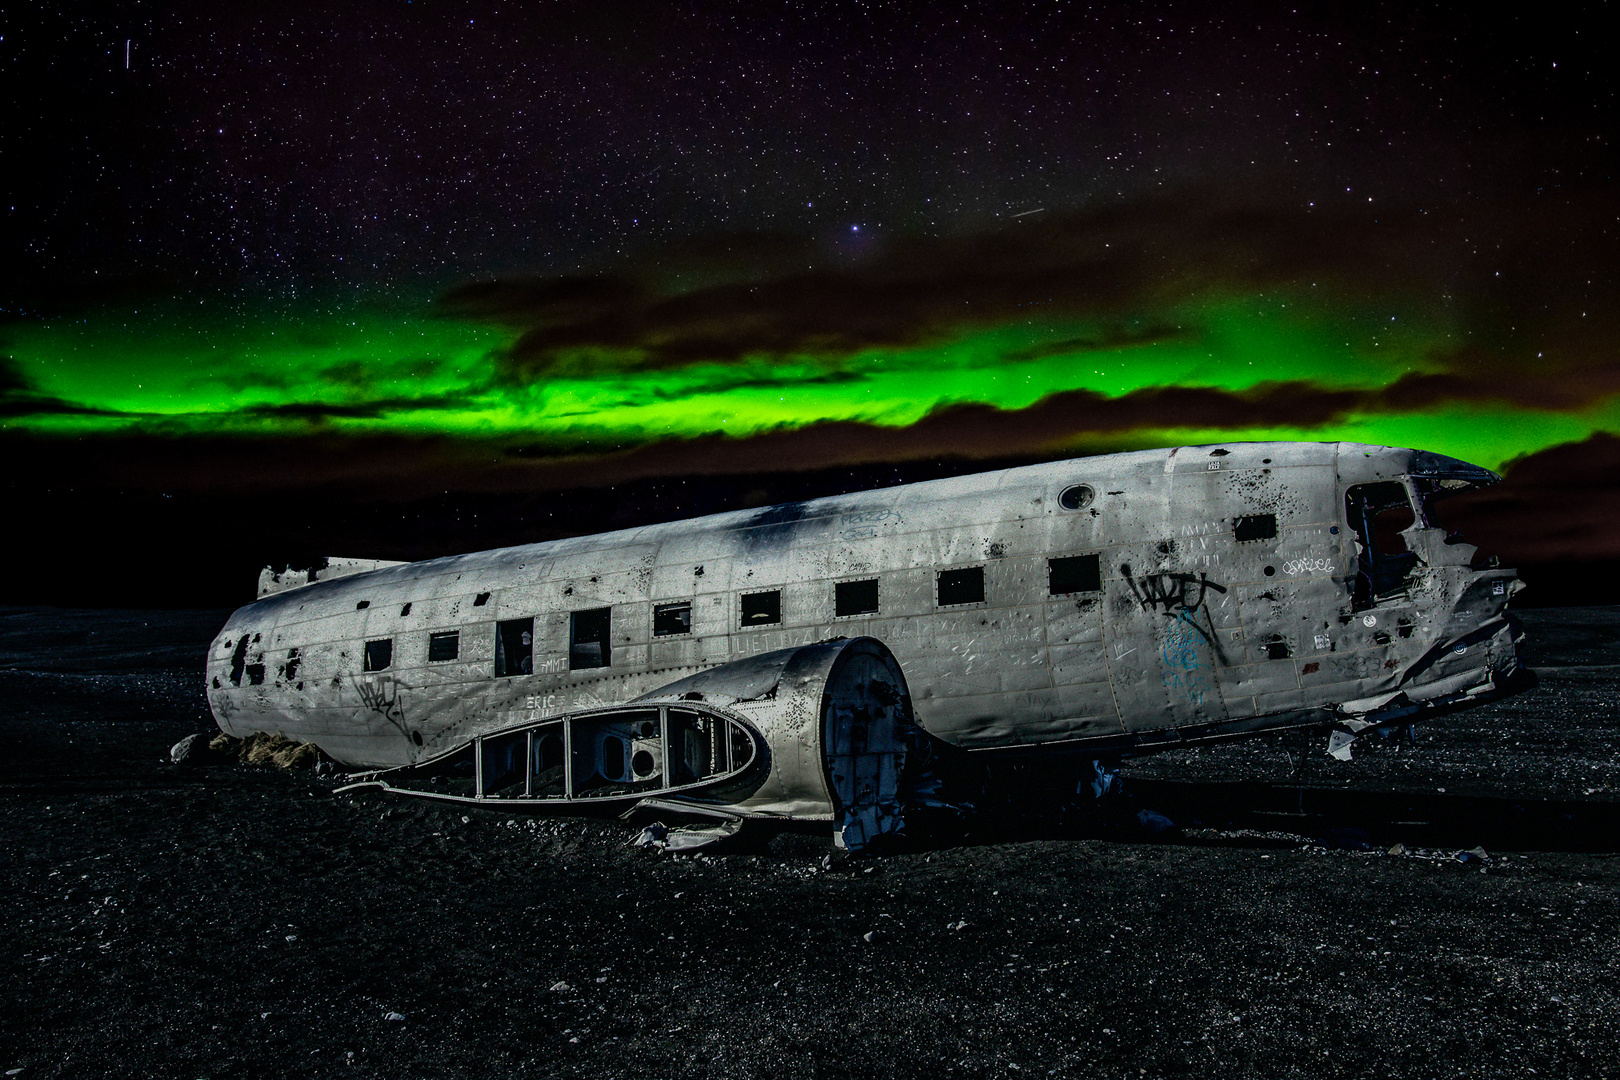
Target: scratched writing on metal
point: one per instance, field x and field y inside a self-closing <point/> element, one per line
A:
<point x="1308" y="566"/>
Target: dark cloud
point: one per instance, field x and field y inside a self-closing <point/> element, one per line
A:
<point x="1528" y="292"/>
<point x="20" y="398"/>
<point x="365" y="375"/>
<point x="1560" y="505"/>
<point x="319" y="411"/>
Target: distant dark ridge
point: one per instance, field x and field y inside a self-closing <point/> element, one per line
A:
<point x="101" y="547"/>
<point x="1569" y="584"/>
<point x="108" y="548"/>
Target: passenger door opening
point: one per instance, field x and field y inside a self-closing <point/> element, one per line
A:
<point x="514" y="647"/>
<point x="588" y="638"/>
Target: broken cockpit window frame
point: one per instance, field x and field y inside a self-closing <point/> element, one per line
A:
<point x="1378" y="514"/>
<point x="514" y="647"/>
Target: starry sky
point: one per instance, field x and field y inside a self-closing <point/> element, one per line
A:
<point x="292" y="261"/>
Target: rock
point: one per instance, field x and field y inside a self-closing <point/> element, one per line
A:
<point x="1154" y="823"/>
<point x="1348" y="839"/>
<point x="395" y="1016"/>
<point x="560" y="987"/>
<point x="192" y="750"/>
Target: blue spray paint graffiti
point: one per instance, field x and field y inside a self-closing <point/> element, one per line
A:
<point x="1185" y="674"/>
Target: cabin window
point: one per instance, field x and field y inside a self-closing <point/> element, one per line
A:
<point x="1077" y="497"/>
<point x="855" y="597"/>
<point x="964" y="585"/>
<point x="1255" y="527"/>
<point x="1379" y="513"/>
<point x="444" y="645"/>
<point x="481" y="599"/>
<point x="588" y="638"/>
<point x="672" y="618"/>
<point x="404" y="611"/>
<point x="514" y="647"/>
<point x="761" y="608"/>
<point x="362" y="605"/>
<point x="1072" y="574"/>
<point x="379" y="654"/>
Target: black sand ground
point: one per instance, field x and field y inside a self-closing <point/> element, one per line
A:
<point x="242" y="922"/>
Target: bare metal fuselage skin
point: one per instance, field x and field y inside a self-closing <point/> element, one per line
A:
<point x="1105" y="605"/>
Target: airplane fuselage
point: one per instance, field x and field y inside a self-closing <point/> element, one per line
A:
<point x="1100" y="605"/>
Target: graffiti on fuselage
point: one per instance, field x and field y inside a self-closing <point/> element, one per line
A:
<point x="380" y="694"/>
<point x="1170" y="592"/>
<point x="1185" y="674"/>
<point x="1182" y="597"/>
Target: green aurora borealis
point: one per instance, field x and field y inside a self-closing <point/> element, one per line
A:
<point x="233" y="367"/>
<point x="406" y="280"/>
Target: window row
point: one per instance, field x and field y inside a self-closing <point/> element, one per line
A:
<point x="589" y="630"/>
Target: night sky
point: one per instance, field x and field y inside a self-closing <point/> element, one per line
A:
<point x="400" y="279"/>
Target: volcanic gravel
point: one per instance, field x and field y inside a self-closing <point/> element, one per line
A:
<point x="1443" y="906"/>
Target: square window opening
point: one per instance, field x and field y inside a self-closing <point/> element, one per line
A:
<point x="855" y="597"/>
<point x="588" y="638"/>
<point x="762" y="608"/>
<point x="514" y="647"/>
<point x="964" y="585"/>
<point x="444" y="645"/>
<point x="1074" y="573"/>
<point x="1255" y="527"/>
<point x="671" y="619"/>
<point x="379" y="654"/>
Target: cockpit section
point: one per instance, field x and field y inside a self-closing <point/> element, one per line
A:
<point x="1380" y="514"/>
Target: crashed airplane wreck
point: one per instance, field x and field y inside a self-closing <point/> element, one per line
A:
<point x="831" y="660"/>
